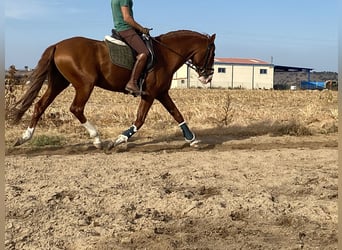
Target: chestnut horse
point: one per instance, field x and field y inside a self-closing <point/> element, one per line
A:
<point x="85" y="63"/>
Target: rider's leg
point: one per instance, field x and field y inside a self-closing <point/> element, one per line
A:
<point x="134" y="40"/>
<point x="139" y="66"/>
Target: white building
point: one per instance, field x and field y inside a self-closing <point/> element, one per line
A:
<point x="229" y="73"/>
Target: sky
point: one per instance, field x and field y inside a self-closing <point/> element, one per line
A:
<point x="302" y="33"/>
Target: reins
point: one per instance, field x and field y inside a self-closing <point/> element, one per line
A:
<point x="175" y="52"/>
<point x="187" y="62"/>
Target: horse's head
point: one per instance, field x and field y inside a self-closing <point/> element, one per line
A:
<point x="203" y="60"/>
<point x="192" y="48"/>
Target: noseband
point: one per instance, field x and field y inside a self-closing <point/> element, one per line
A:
<point x="205" y="70"/>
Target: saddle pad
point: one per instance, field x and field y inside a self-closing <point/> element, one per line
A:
<point x="120" y="53"/>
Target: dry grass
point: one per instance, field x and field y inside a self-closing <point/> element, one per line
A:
<point x="229" y="111"/>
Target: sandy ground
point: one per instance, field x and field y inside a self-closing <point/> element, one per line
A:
<point x="259" y="192"/>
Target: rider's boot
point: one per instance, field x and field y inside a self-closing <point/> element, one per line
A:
<point x="139" y="66"/>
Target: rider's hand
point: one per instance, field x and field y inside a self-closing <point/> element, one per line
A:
<point x="145" y="31"/>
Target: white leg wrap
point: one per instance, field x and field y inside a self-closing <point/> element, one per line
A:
<point x="91" y="129"/>
<point x="120" y="139"/>
<point x="93" y="134"/>
<point x="97" y="140"/>
<point x="181" y="124"/>
<point x="27" y="135"/>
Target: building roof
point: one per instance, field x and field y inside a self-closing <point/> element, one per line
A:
<point x="279" y="68"/>
<point x="249" y="61"/>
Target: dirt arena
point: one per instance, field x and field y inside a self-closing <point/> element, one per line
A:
<point x="264" y="175"/>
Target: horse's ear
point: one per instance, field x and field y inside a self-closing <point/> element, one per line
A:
<point x="212" y="38"/>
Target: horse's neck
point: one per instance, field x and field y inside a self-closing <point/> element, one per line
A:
<point x="180" y="49"/>
<point x="183" y="45"/>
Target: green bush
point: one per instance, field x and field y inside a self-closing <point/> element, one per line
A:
<point x="44" y="140"/>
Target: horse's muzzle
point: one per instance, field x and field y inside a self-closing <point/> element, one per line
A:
<point x="205" y="80"/>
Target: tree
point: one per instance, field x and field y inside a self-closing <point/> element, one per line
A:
<point x="12" y="70"/>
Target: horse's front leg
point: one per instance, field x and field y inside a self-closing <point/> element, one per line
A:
<point x="170" y="106"/>
<point x="144" y="106"/>
<point x="93" y="134"/>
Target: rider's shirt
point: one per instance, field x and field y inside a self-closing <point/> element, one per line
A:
<point x="119" y="23"/>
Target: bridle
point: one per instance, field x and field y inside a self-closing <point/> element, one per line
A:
<point x="206" y="70"/>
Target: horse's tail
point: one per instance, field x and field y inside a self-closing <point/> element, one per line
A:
<point x="37" y="79"/>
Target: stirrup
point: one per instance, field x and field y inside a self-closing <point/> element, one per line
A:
<point x="136" y="93"/>
<point x="133" y="92"/>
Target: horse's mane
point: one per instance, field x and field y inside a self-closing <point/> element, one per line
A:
<point x="173" y="34"/>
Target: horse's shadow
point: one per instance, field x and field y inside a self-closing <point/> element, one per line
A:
<point x="209" y="139"/>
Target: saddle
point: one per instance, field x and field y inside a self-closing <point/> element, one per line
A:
<point x="123" y="55"/>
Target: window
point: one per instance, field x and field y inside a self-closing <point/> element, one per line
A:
<point x="221" y="70"/>
<point x="263" y="71"/>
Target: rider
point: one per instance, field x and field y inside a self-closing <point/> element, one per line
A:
<point x="127" y="27"/>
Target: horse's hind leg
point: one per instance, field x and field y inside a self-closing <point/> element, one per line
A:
<point x="55" y="87"/>
<point x="144" y="106"/>
<point x="77" y="108"/>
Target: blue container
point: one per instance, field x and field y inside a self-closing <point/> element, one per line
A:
<point x="312" y="85"/>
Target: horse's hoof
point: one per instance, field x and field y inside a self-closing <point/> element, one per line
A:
<point x="98" y="145"/>
<point x="122" y="147"/>
<point x="19" y="142"/>
<point x="195" y="143"/>
<point x="110" y="146"/>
